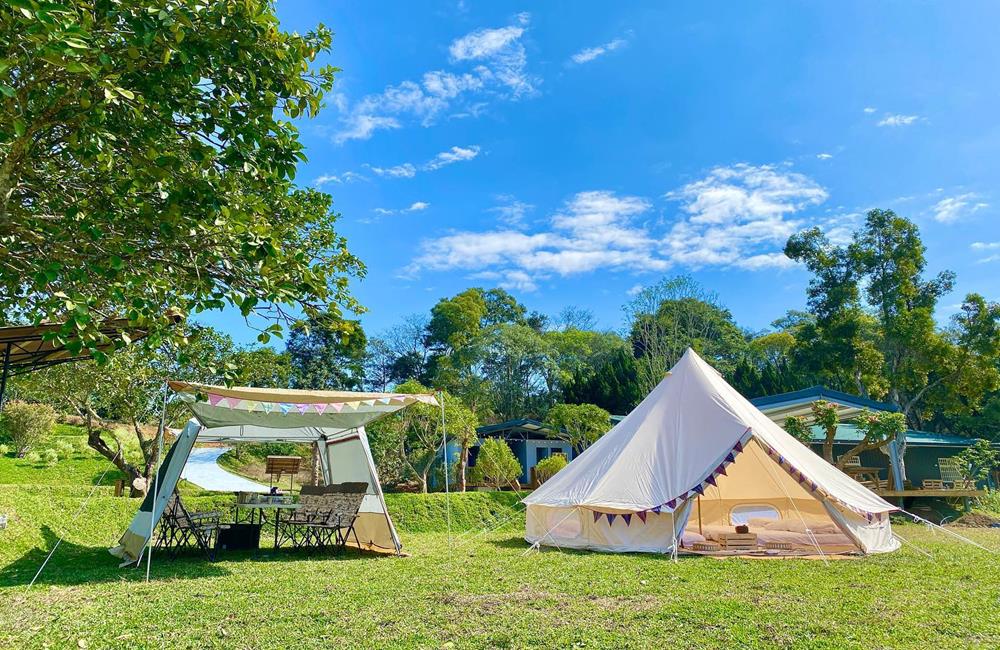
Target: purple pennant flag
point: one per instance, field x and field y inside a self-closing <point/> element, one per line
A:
<point x="710" y="480"/>
<point x="627" y="518"/>
<point x="700" y="489"/>
<point x="812" y="486"/>
<point x="721" y="469"/>
<point x="642" y="516"/>
<point x="611" y="517"/>
<point x="657" y="508"/>
<point x="781" y="459"/>
<point x="731" y="458"/>
<point x="739" y="446"/>
<point x="597" y="516"/>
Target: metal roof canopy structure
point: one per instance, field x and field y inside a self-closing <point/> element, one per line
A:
<point x="27" y="348"/>
<point x="785" y="405"/>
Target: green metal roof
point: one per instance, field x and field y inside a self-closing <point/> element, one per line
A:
<point x="849" y="433"/>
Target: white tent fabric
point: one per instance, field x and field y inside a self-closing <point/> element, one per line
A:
<point x="332" y="420"/>
<point x="694" y="436"/>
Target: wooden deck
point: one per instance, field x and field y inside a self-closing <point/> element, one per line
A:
<point x="916" y="492"/>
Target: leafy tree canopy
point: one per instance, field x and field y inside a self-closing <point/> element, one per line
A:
<point x="147" y="164"/>
<point x="578" y="424"/>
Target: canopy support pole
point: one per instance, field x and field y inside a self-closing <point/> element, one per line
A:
<point x="6" y="371"/>
<point x="447" y="491"/>
<point x="156" y="479"/>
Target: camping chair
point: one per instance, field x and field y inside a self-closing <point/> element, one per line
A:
<point x="337" y="510"/>
<point x="182" y="529"/>
<point x="952" y="476"/>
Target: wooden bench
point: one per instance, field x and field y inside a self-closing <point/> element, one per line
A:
<point x="279" y="465"/>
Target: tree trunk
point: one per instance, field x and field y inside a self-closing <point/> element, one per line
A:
<point x="317" y="469"/>
<point x="423" y="482"/>
<point x="463" y="462"/>
<point x="828" y="445"/>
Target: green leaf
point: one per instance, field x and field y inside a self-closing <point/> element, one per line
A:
<point x="19" y="127"/>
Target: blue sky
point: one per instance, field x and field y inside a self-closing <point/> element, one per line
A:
<point x="572" y="152"/>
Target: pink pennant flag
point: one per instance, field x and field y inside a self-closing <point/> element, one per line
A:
<point x="302" y="407"/>
<point x="214" y="400"/>
<point x="320" y="408"/>
<point x="337" y="407"/>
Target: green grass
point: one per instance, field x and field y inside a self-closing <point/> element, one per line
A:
<point x="84" y="466"/>
<point x="472" y="589"/>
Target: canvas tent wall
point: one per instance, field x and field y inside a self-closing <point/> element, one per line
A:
<point x="696" y="446"/>
<point x="332" y="420"/>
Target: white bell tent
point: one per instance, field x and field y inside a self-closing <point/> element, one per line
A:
<point x="332" y="420"/>
<point x="691" y="461"/>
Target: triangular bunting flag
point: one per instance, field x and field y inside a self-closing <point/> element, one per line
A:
<point x="721" y="469"/>
<point x="320" y="408"/>
<point x="267" y="406"/>
<point x="384" y="400"/>
<point x="215" y="399"/>
<point x="285" y="408"/>
<point x="251" y="405"/>
<point x="368" y="402"/>
<point x="642" y="516"/>
<point x="710" y="480"/>
<point x="657" y="508"/>
<point x="337" y="407"/>
<point x="611" y="517"/>
<point x="739" y="446"/>
<point x="700" y="489"/>
<point x="627" y="518"/>
<point x="730" y="457"/>
<point x="597" y="516"/>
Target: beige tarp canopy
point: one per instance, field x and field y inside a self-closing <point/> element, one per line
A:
<point x="334" y="421"/>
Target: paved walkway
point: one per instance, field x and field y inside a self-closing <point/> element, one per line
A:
<point x="203" y="470"/>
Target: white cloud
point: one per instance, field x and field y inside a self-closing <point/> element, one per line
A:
<point x="824" y="156"/>
<point x="346" y="177"/>
<point x="453" y="155"/>
<point x="511" y="212"/>
<point x="736" y="217"/>
<point x="417" y="206"/>
<point x="870" y="109"/>
<point x="985" y="246"/>
<point x="953" y="208"/>
<point x="591" y="53"/>
<point x="361" y="127"/>
<point x="635" y="290"/>
<point x="406" y="170"/>
<point x="498" y="69"/>
<point x="898" y="120"/>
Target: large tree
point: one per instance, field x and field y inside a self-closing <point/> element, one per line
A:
<point x="147" y="163"/>
<point x="327" y="353"/>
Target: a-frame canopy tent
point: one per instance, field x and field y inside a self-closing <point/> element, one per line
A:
<point x="334" y="421"/>
<point x="693" y="459"/>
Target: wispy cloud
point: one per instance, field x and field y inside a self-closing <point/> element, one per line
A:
<point x="635" y="290"/>
<point x="986" y="247"/>
<point x="416" y="206"/>
<point x="511" y="212"/>
<point x="443" y="159"/>
<point x="589" y="54"/>
<point x="496" y="66"/>
<point x="346" y="177"/>
<point x="954" y="208"/>
<point x="738" y="216"/>
<point x="898" y="120"/>
<point x="870" y="109"/>
<point x="824" y="156"/>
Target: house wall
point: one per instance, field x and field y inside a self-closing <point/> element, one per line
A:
<point x="921" y="462"/>
<point x="527" y="454"/>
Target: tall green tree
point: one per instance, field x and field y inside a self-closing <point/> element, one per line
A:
<point x="613" y="384"/>
<point x="578" y="424"/>
<point x="327" y="353"/>
<point x="147" y="163"/>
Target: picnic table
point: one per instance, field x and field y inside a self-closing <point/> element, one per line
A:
<point x="264" y="512"/>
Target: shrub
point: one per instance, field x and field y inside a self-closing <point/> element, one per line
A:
<point x="50" y="457"/>
<point x="27" y="424"/>
<point x="496" y="463"/>
<point x="547" y="467"/>
<point x="33" y="457"/>
<point x="4" y="450"/>
<point x="64" y="448"/>
<point x="990" y="502"/>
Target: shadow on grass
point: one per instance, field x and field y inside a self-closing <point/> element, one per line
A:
<point x="74" y="564"/>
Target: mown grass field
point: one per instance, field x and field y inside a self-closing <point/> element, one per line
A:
<point x="473" y="589"/>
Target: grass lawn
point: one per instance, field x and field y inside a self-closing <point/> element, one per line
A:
<point x="473" y="589"/>
<point x="82" y="467"/>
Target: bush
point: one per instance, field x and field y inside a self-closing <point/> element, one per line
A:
<point x="33" y="457"/>
<point x="4" y="450"/>
<point x="496" y="464"/>
<point x="989" y="502"/>
<point x="64" y="448"/>
<point x="50" y="457"/>
<point x="27" y="424"/>
<point x="547" y="467"/>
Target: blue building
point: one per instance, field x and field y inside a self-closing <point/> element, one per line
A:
<point x="530" y="441"/>
<point x="923" y="450"/>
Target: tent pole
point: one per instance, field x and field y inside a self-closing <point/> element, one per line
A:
<point x="6" y="370"/>
<point x="700" y="531"/>
<point x="156" y="480"/>
<point x="447" y="491"/>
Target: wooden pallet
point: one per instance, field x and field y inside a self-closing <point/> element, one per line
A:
<point x="738" y="541"/>
<point x="706" y="546"/>
<point x="778" y="546"/>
